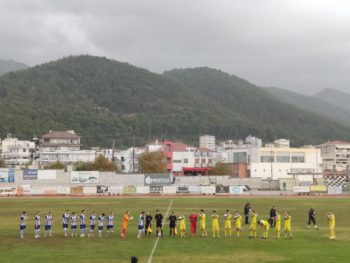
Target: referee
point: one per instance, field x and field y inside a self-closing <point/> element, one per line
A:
<point x="312" y="218"/>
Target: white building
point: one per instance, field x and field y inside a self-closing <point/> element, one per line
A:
<point x="207" y="141"/>
<point x="283" y="162"/>
<point x="128" y="160"/>
<point x="16" y="152"/>
<point x="63" y="147"/>
<point x="336" y="157"/>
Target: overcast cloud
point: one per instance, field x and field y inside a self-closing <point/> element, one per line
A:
<point x="299" y="45"/>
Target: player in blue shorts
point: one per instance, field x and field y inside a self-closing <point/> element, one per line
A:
<point x="37" y="225"/>
<point x="74" y="224"/>
<point x="82" y="223"/>
<point x="65" y="221"/>
<point x="48" y="224"/>
<point x="110" y="224"/>
<point x="92" y="224"/>
<point x="22" y="224"/>
<point x="100" y="224"/>
<point x="141" y="224"/>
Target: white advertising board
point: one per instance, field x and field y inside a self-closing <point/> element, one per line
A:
<point x="301" y="189"/>
<point x="47" y="174"/>
<point x="64" y="190"/>
<point x="142" y="189"/>
<point x="208" y="189"/>
<point x="169" y="190"/>
<point x="84" y="177"/>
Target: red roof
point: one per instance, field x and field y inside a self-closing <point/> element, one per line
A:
<point x="60" y="135"/>
<point x="179" y="147"/>
<point x="204" y="150"/>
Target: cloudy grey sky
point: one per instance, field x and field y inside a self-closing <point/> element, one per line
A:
<point x="294" y="44"/>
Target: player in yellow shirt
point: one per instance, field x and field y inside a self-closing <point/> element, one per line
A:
<point x="278" y="225"/>
<point x="287" y="225"/>
<point x="265" y="225"/>
<point x="331" y="220"/>
<point x="182" y="225"/>
<point x="253" y="221"/>
<point x="238" y="223"/>
<point x="202" y="223"/>
<point x="228" y="226"/>
<point x="215" y="224"/>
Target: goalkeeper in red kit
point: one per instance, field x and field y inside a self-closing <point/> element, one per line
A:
<point x="193" y="219"/>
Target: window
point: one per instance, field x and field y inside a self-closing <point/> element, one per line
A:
<point x="240" y="157"/>
<point x="168" y="160"/>
<point x="197" y="160"/>
<point x="282" y="157"/>
<point x="177" y="161"/>
<point x="298" y="157"/>
<point x="210" y="160"/>
<point x="267" y="157"/>
<point x="167" y="148"/>
<point x="185" y="160"/>
<point x="203" y="161"/>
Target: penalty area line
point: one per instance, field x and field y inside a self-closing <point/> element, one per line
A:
<point x="157" y="240"/>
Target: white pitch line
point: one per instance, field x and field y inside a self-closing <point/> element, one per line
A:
<point x="157" y="240"/>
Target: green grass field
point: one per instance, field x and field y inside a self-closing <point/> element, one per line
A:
<point x="308" y="245"/>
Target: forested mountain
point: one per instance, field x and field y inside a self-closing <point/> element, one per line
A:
<point x="10" y="66"/>
<point x="312" y="104"/>
<point x="103" y="100"/>
<point x="334" y="97"/>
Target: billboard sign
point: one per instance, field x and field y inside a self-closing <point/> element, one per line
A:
<point x="7" y="175"/>
<point x="156" y="189"/>
<point x="84" y="177"/>
<point x="182" y="189"/>
<point x="236" y="189"/>
<point x="30" y="174"/>
<point x="195" y="189"/>
<point x="157" y="179"/>
<point x="221" y="189"/>
<point x="318" y="188"/>
<point x="129" y="189"/>
<point x="301" y="189"/>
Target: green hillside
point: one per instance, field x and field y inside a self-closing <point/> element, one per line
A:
<point x="312" y="104"/>
<point x="104" y="100"/>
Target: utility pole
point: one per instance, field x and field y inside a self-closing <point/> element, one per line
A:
<point x="113" y="147"/>
<point x="133" y="152"/>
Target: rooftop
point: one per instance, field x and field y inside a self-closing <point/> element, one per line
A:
<point x="60" y="135"/>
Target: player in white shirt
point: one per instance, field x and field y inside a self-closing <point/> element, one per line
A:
<point x="141" y="224"/>
<point x="74" y="224"/>
<point x="48" y="224"/>
<point x="65" y="221"/>
<point x="82" y="223"/>
<point x="110" y="224"/>
<point x="22" y="224"/>
<point x="100" y="224"/>
<point x="92" y="224"/>
<point x="37" y="225"/>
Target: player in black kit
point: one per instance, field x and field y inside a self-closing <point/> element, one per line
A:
<point x="172" y="224"/>
<point x="159" y="223"/>
<point x="312" y="218"/>
<point x="148" y="225"/>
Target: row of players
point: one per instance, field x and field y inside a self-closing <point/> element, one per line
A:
<point x="175" y="224"/>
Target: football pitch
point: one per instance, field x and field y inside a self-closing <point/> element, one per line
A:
<point x="307" y="245"/>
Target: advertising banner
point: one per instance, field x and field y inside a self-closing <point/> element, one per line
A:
<point x="318" y="188"/>
<point x="235" y="189"/>
<point x="335" y="190"/>
<point x="221" y="189"/>
<point x="130" y="189"/>
<point x="157" y="179"/>
<point x="156" y="189"/>
<point x="195" y="189"/>
<point x="168" y="190"/>
<point x="30" y="174"/>
<point x="182" y="189"/>
<point x="8" y="190"/>
<point x="7" y="175"/>
<point x="301" y="189"/>
<point x="208" y="190"/>
<point x="84" y="177"/>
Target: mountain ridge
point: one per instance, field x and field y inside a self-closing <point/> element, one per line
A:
<point x="103" y="99"/>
